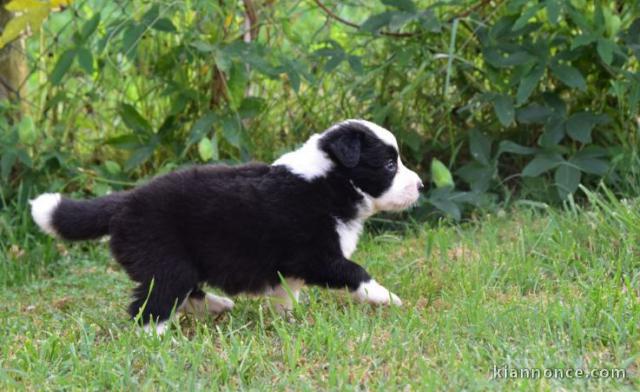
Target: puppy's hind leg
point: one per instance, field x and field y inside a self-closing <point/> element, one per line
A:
<point x="156" y="297"/>
<point x="284" y="295"/>
<point x="199" y="302"/>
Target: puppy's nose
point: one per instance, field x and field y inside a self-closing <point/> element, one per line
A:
<point x="420" y="185"/>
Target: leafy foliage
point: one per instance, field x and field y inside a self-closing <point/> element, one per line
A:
<point x="508" y="97"/>
<point x="31" y="14"/>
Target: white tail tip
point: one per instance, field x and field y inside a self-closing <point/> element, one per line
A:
<point x="42" y="209"/>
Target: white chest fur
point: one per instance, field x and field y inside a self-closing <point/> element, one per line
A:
<point x="349" y="233"/>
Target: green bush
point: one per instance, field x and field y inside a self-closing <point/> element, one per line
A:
<point x="533" y="97"/>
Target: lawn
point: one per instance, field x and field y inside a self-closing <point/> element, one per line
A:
<point x="525" y="288"/>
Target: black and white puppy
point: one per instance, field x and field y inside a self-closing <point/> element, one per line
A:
<point x="242" y="228"/>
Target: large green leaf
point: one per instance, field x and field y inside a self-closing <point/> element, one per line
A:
<point x="429" y="21"/>
<point x="605" y="49"/>
<point x="356" y="65"/>
<point x="24" y="157"/>
<point x="293" y="77"/>
<point x="62" y="66"/>
<point x="567" y="178"/>
<point x="236" y="85"/>
<point x="541" y="164"/>
<point x="204" y="47"/>
<point x="152" y="19"/>
<point x="579" y="18"/>
<point x="90" y="26"/>
<point x="129" y="141"/>
<point x="85" y="60"/>
<point x="554" y="131"/>
<point x="6" y="163"/>
<point x="444" y="200"/>
<point x="590" y="165"/>
<point x="131" y="38"/>
<point x="480" y="146"/>
<point x="401" y="18"/>
<point x="222" y="60"/>
<point x="555" y="103"/>
<point x="554" y="9"/>
<point x="201" y="127"/>
<point x="165" y="25"/>
<point x="612" y="22"/>
<point x="151" y="15"/>
<point x="534" y="114"/>
<point x="570" y="76"/>
<point x="583" y="40"/>
<point x="335" y="61"/>
<point x="592" y="151"/>
<point x="112" y="167"/>
<point x="448" y="207"/>
<point x="503" y="105"/>
<point x="514" y="148"/>
<point x="440" y="174"/>
<point x="525" y="16"/>
<point x="477" y="175"/>
<point x="529" y="83"/>
<point x="231" y="131"/>
<point x="376" y="22"/>
<point x="580" y="125"/>
<point x="404" y="5"/>
<point x="505" y="59"/>
<point x="251" y="107"/>
<point x="139" y="156"/>
<point x="205" y="149"/>
<point x="27" y="131"/>
<point x="133" y="119"/>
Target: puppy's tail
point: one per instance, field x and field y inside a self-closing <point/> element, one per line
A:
<point x="75" y="219"/>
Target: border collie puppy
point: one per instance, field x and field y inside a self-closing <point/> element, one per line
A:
<point x="242" y="228"/>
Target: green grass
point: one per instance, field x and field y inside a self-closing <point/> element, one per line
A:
<point x="528" y="288"/>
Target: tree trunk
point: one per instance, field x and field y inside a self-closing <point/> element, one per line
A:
<point x="13" y="67"/>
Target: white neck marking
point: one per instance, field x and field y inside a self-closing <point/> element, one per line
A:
<point x="309" y="161"/>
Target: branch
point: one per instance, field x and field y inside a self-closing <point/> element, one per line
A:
<point x="357" y="26"/>
<point x="252" y="19"/>
<point x="334" y="16"/>
<point x="464" y="14"/>
<point x="468" y="12"/>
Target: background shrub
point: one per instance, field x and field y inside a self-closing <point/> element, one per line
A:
<point x="530" y="98"/>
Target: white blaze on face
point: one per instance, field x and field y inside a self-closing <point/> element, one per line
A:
<point x="404" y="191"/>
<point x="382" y="133"/>
<point x="405" y="188"/>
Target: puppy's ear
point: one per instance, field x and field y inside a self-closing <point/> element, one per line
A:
<point x="345" y="148"/>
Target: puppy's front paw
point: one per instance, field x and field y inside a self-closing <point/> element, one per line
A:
<point x="372" y="292"/>
<point x="211" y="303"/>
<point x="217" y="304"/>
<point x="159" y="329"/>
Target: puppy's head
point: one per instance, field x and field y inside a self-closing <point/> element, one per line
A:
<point x="368" y="155"/>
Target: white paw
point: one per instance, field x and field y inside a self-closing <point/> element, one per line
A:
<point x="282" y="306"/>
<point x="209" y="304"/>
<point x="282" y="299"/>
<point x="159" y="328"/>
<point x="218" y="304"/>
<point x="372" y="292"/>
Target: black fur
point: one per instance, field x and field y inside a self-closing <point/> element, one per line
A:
<point x="235" y="228"/>
<point x="86" y="219"/>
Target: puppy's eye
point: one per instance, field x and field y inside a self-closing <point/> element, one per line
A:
<point x="390" y="165"/>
